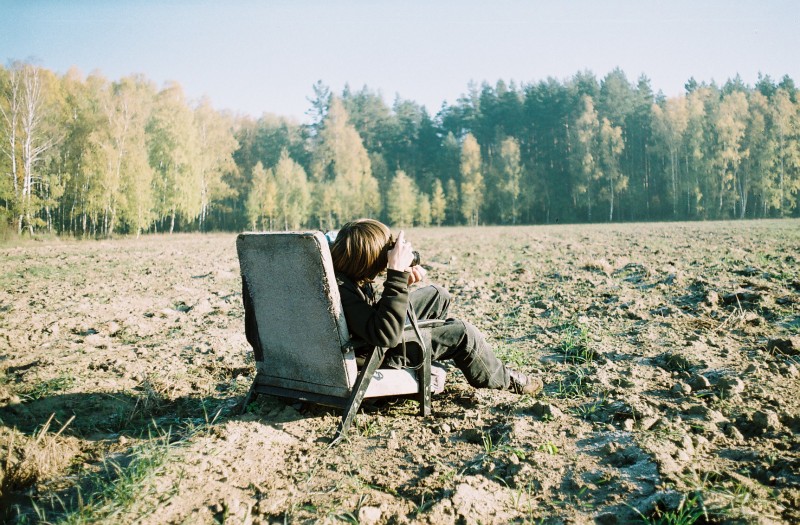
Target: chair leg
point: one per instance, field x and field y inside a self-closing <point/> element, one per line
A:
<point x="359" y="390"/>
<point x="424" y="379"/>
<point x="251" y="395"/>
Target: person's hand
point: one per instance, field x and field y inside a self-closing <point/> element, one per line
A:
<point x="418" y="273"/>
<point x="401" y="256"/>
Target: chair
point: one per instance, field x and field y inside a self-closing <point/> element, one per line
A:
<point x="295" y="324"/>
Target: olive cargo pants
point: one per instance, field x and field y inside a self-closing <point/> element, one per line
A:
<point x="456" y="340"/>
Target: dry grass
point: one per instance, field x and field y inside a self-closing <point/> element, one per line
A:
<point x="30" y="459"/>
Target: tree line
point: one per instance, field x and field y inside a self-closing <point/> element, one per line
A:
<point x="86" y="156"/>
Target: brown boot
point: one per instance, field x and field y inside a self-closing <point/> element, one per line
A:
<point x="524" y="385"/>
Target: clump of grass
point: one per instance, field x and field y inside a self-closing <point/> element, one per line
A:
<point x="48" y="388"/>
<point x="590" y="411"/>
<point x="690" y="511"/>
<point x="576" y="385"/>
<point x="513" y="356"/>
<point x="368" y="427"/>
<point x="116" y="488"/>
<point x="29" y="460"/>
<point x="598" y="266"/>
<point x="673" y="362"/>
<point x="549" y="448"/>
<point x="574" y="346"/>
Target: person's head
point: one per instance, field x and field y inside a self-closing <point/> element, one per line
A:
<point x="360" y="248"/>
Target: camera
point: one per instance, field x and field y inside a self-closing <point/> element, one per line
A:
<point x="414" y="262"/>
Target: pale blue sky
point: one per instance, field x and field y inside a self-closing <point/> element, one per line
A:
<point x="263" y="56"/>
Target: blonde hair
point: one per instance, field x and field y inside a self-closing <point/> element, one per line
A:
<point x="360" y="248"/>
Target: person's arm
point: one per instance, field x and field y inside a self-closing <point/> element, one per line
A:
<point x="380" y="325"/>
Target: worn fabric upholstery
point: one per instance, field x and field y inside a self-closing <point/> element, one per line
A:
<point x="293" y="314"/>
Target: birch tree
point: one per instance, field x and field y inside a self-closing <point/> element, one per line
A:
<point x="730" y="123"/>
<point x="342" y="165"/>
<point x="423" y="214"/>
<point x="262" y="199"/>
<point x="670" y="123"/>
<point x="786" y="118"/>
<point x="695" y="147"/>
<point x="10" y="111"/>
<point x="758" y="170"/>
<point x="512" y="174"/>
<point x="614" y="180"/>
<point x="293" y="193"/>
<point x="402" y="200"/>
<point x="472" y="187"/>
<point x="172" y="148"/>
<point x="213" y="160"/>
<point x="29" y="133"/>
<point x="119" y="153"/>
<point x="438" y="203"/>
<point x="585" y="154"/>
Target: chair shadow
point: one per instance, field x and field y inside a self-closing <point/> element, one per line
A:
<point x="98" y="416"/>
<point x="106" y="417"/>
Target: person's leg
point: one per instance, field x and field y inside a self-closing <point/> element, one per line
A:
<point x="467" y="347"/>
<point x="430" y="302"/>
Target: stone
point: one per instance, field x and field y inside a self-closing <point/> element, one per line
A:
<point x="712" y="298"/>
<point x="96" y="340"/>
<point x="699" y="382"/>
<point x="787" y="346"/>
<point x="647" y="423"/>
<point x="545" y="410"/>
<point x="699" y="442"/>
<point x="369" y="515"/>
<point x="766" y="420"/>
<point x="687" y="443"/>
<point x="731" y="385"/>
<point x="681" y="389"/>
<point x="473" y="505"/>
<point x="732" y="432"/>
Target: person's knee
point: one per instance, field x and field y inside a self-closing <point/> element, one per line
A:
<point x="442" y="295"/>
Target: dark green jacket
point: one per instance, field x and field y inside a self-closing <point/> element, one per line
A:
<point x="377" y="322"/>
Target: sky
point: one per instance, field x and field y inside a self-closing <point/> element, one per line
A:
<point x="263" y="56"/>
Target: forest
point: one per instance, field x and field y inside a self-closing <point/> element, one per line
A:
<point x="85" y="156"/>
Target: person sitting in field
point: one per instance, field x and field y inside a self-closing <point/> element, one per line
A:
<point x="363" y="249"/>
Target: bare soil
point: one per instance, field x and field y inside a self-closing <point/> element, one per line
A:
<point x="670" y="355"/>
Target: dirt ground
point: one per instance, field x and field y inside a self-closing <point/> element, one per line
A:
<point x="670" y="355"/>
